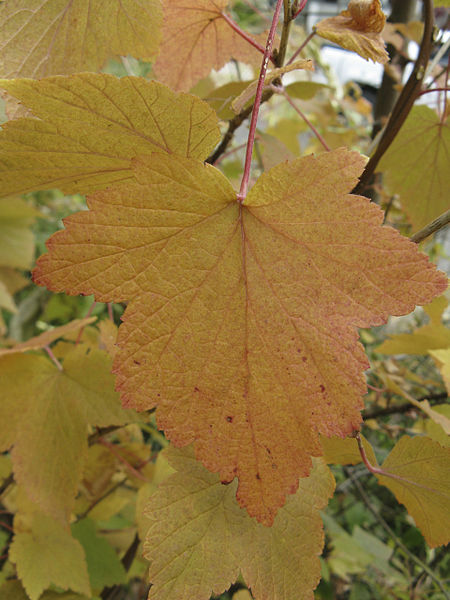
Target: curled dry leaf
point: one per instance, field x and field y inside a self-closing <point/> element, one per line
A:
<point x="358" y="29"/>
<point x="239" y="103"/>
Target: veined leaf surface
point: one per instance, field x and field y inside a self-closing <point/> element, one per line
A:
<point x="241" y="325"/>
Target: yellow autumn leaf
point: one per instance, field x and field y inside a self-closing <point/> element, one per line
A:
<point x="241" y="322"/>
<point x="345" y="451"/>
<point x="420" y="479"/>
<point x="358" y="29"/>
<point x="194" y="519"/>
<point x="205" y="41"/>
<point x="121" y="118"/>
<point x="442" y="357"/>
<point x="16" y="238"/>
<point x="39" y="401"/>
<point x="415" y="166"/>
<point x="47" y="555"/>
<point x="432" y="336"/>
<point x="39" y="38"/>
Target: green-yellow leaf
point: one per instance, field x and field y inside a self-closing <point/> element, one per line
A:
<point x="442" y="358"/>
<point x="432" y="336"/>
<point x="420" y="470"/>
<point x="13" y="590"/>
<point x="54" y="37"/>
<point x="47" y="411"/>
<point x="88" y="127"/>
<point x="104" y="566"/>
<point x="416" y="166"/>
<point x="345" y="451"/>
<point x="16" y="238"/>
<point x="49" y="555"/>
<point x="199" y="539"/>
<point x="241" y="325"/>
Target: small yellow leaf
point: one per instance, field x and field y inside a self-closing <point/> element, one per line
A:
<point x="358" y="28"/>
<point x="47" y="555"/>
<point x="420" y="470"/>
<point x="54" y="37"/>
<point x="442" y="357"/>
<point x="39" y="402"/>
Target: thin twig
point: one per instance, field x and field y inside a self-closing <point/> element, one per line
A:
<point x="53" y="357"/>
<point x="393" y="536"/>
<point x="6" y="483"/>
<point x="259" y="90"/>
<point x="303" y="45"/>
<point x="282" y="91"/>
<point x="402" y="408"/>
<point x="98" y="500"/>
<point x="405" y="101"/>
<point x="429" y="90"/>
<point x="248" y="38"/>
<point x="431" y="228"/>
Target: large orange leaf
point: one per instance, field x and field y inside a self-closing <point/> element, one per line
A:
<point x="52" y="37"/>
<point x="88" y="127"/>
<point x="241" y="324"/>
<point x="195" y="39"/>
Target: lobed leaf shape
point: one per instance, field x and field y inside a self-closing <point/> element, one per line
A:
<point x="358" y="29"/>
<point x="420" y="479"/>
<point x="47" y="555"/>
<point x="47" y="412"/>
<point x="199" y="539"/>
<point x="204" y="39"/>
<point x="89" y="126"/>
<point x="241" y="325"/>
<point x="39" y="38"/>
<point x="415" y="166"/>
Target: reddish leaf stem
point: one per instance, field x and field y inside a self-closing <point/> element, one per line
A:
<point x="123" y="460"/>
<point x="305" y="43"/>
<point x="376" y="470"/>
<point x="299" y="9"/>
<point x="53" y="357"/>
<point x="362" y="451"/>
<point x="248" y="38"/>
<point x="110" y="312"/>
<point x="232" y="151"/>
<point x="282" y="91"/>
<point x="262" y="75"/>
<point x="438" y="89"/>
<point x="6" y="526"/>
